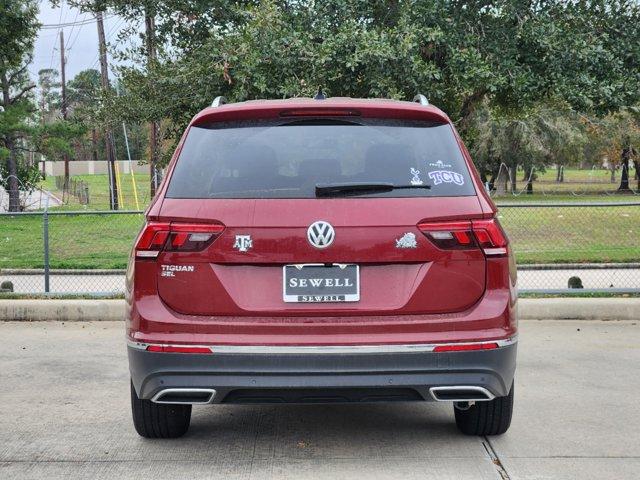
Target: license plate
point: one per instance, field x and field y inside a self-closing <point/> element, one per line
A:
<point x="318" y="283"/>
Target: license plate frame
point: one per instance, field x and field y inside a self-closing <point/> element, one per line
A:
<point x="347" y="272"/>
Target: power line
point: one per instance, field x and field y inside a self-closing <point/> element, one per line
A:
<point x="74" y="26"/>
<point x="73" y="42"/>
<point x="53" y="51"/>
<point x="61" y="10"/>
<point x="86" y="21"/>
<point x="113" y="28"/>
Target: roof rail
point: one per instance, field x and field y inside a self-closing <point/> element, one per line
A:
<point x="320" y="95"/>
<point x="218" y="101"/>
<point x="421" y="99"/>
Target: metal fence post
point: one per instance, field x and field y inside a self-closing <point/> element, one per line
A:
<point x="45" y="228"/>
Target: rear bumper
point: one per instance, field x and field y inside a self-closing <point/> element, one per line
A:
<point x="300" y="376"/>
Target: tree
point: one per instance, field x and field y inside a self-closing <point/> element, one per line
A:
<point x="49" y="85"/>
<point x="509" y="53"/>
<point x="83" y="92"/>
<point x="20" y="132"/>
<point x="617" y="137"/>
<point x="18" y="26"/>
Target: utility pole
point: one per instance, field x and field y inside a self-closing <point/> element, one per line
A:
<point x="104" y="74"/>
<point x="63" y="106"/>
<point x="149" y="22"/>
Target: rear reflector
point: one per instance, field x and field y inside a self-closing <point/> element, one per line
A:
<point x="486" y="234"/>
<point x="465" y="347"/>
<point x="173" y="349"/>
<point x="184" y="237"/>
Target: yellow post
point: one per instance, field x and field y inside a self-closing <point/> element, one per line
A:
<point x="119" y="184"/>
<point x="135" y="188"/>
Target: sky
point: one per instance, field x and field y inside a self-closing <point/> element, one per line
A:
<point x="81" y="41"/>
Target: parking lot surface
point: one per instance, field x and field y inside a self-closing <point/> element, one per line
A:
<point x="64" y="413"/>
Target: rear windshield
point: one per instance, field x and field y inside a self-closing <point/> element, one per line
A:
<point x="284" y="159"/>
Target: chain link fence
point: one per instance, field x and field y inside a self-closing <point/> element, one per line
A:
<point x="558" y="246"/>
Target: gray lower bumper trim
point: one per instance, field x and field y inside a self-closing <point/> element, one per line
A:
<point x="152" y="372"/>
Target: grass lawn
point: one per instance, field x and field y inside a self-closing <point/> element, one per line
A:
<point x="577" y="183"/>
<point x="594" y="188"/>
<point x="99" y="192"/>
<point x="78" y="241"/>
<point x="573" y="234"/>
<point x="539" y="235"/>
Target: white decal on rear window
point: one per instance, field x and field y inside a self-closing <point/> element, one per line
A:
<point x="445" y="176"/>
<point x="440" y="164"/>
<point x="416" y="180"/>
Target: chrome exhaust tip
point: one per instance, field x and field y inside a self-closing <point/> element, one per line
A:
<point x="185" y="396"/>
<point x="466" y="393"/>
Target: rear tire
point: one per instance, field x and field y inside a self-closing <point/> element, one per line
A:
<point x="486" y="418"/>
<point x="153" y="420"/>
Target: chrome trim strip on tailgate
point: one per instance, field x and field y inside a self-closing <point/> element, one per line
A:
<point x="328" y="349"/>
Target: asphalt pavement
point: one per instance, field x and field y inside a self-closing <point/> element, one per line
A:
<point x="64" y="413"/>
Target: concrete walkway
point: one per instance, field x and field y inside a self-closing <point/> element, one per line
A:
<point x="64" y="413"/>
<point x="33" y="201"/>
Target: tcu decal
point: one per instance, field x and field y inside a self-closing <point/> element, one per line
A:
<point x="445" y="176"/>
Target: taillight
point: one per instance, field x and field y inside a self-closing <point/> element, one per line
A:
<point x="485" y="234"/>
<point x="449" y="235"/>
<point x="490" y="237"/>
<point x="183" y="237"/>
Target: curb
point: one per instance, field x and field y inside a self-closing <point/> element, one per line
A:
<point x="579" y="309"/>
<point x="528" y="309"/>
<point x="61" y="310"/>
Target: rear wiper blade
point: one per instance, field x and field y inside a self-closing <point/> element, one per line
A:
<point x="355" y="188"/>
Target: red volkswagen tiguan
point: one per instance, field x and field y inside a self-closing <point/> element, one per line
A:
<point x="321" y="250"/>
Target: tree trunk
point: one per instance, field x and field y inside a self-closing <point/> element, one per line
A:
<point x="624" y="164"/>
<point x="94" y="145"/>
<point x="636" y="165"/>
<point x="12" y="159"/>
<point x="14" y="190"/>
<point x="108" y="134"/>
<point x="529" y="179"/>
<point x="149" y="21"/>
<point x="512" y="177"/>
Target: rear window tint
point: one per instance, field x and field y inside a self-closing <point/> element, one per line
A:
<point x="284" y="159"/>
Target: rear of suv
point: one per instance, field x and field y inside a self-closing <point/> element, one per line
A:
<point x="321" y="250"/>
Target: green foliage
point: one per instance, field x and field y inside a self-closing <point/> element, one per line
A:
<point x="28" y="174"/>
<point x="49" y="85"/>
<point x="83" y="94"/>
<point x="509" y="55"/>
<point x="19" y="131"/>
<point x="532" y="138"/>
<point x="18" y="27"/>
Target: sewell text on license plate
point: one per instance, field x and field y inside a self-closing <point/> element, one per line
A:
<point x="317" y="283"/>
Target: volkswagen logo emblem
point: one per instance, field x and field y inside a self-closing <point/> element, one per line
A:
<point x="320" y="234"/>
